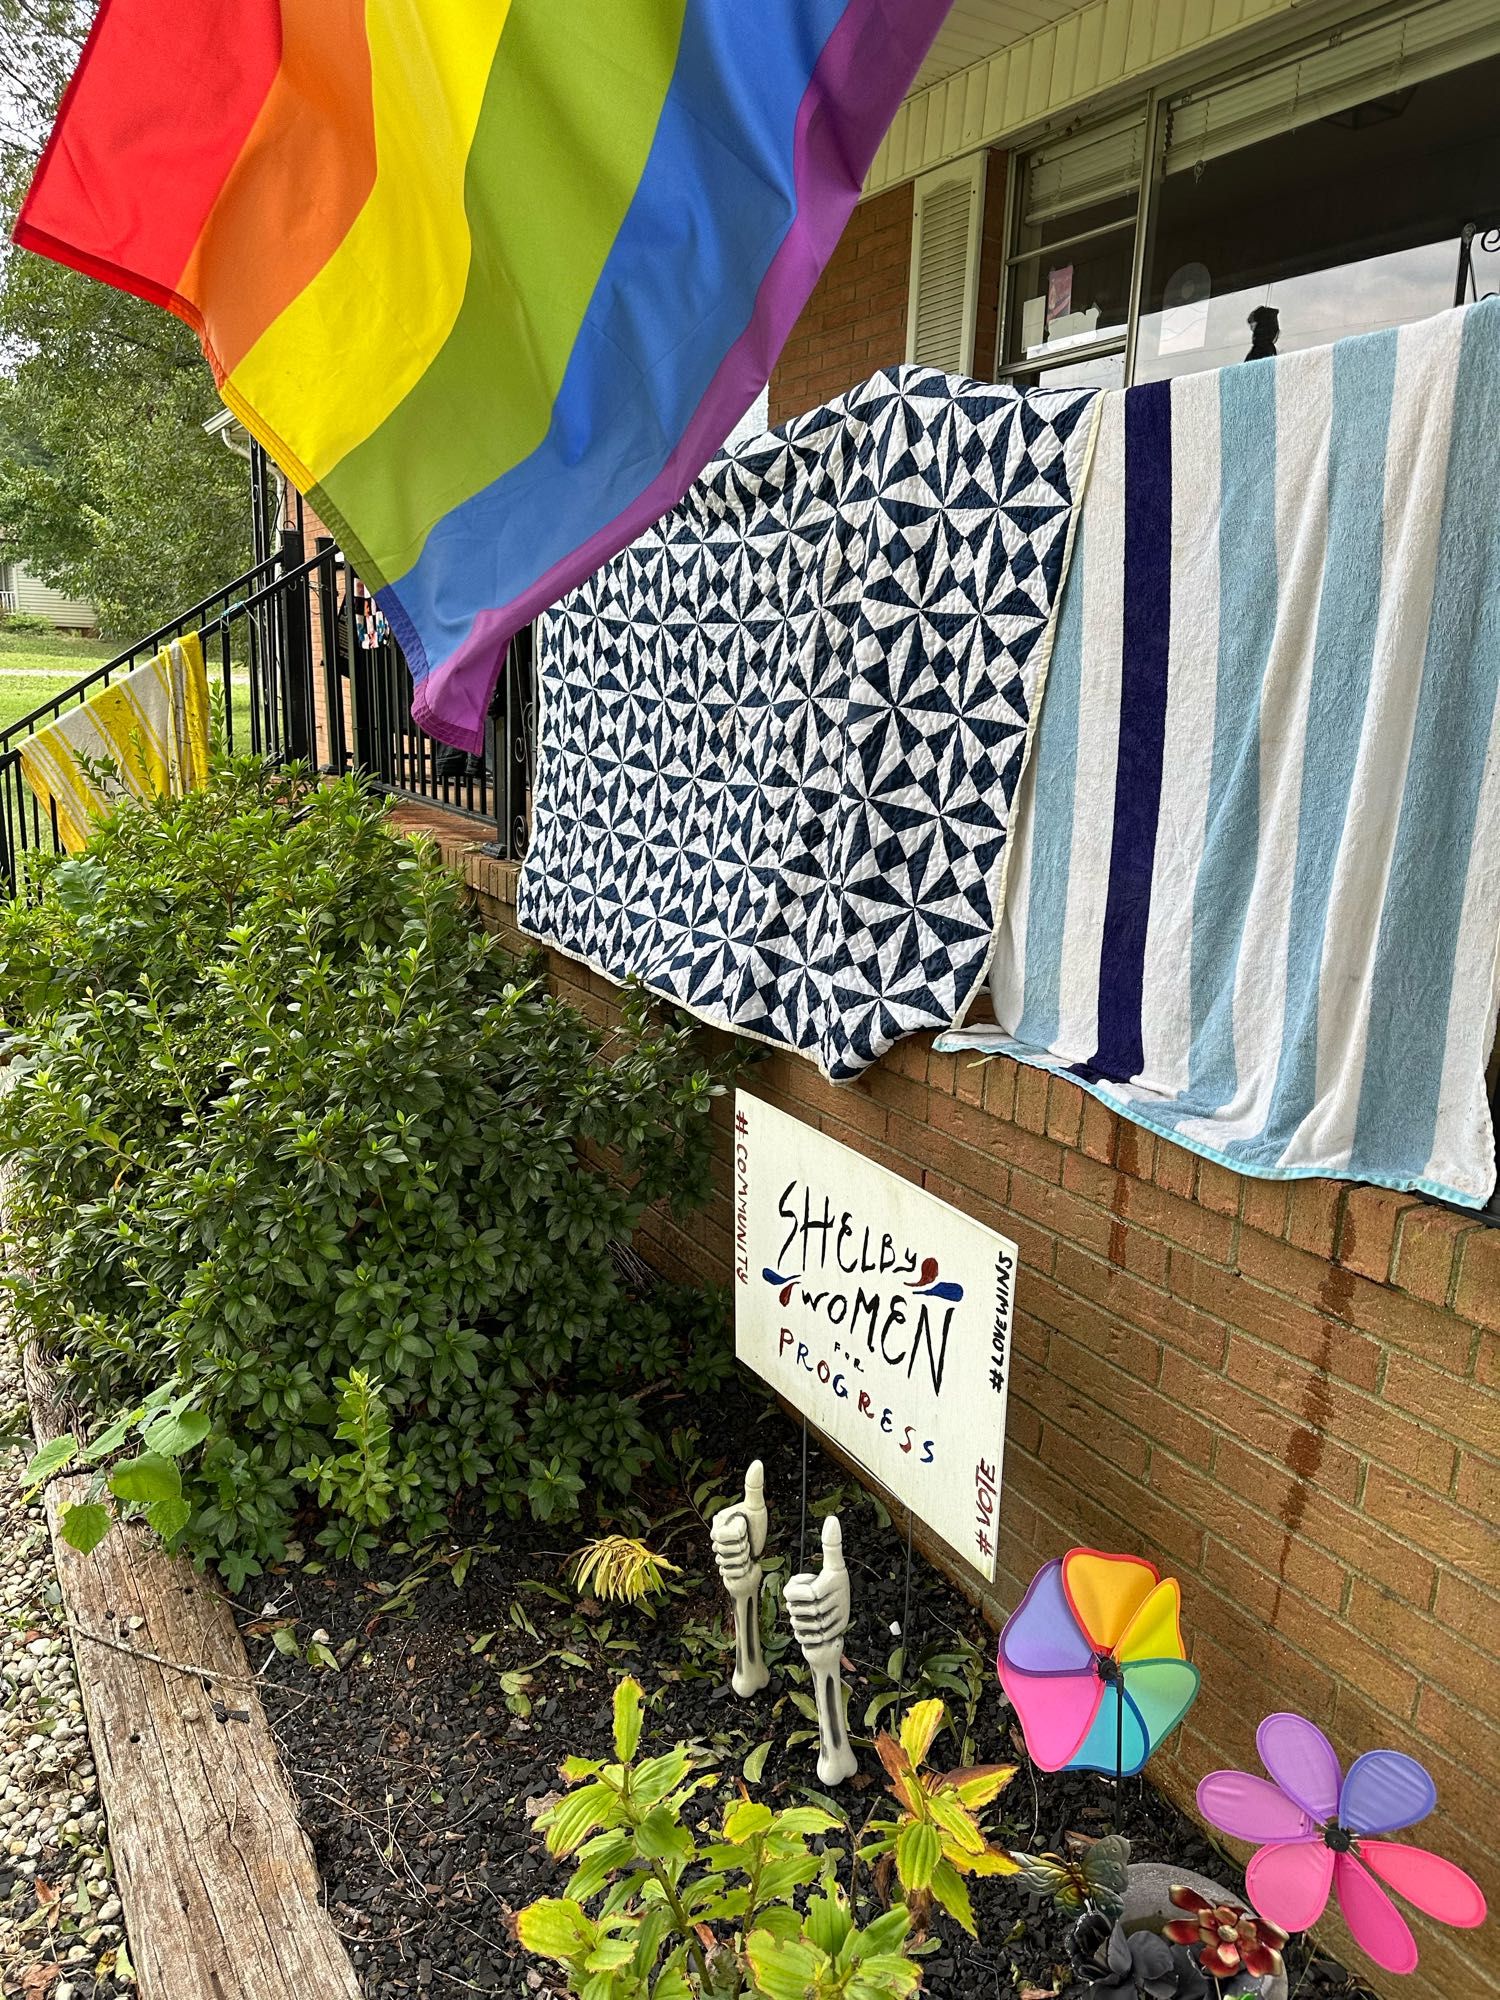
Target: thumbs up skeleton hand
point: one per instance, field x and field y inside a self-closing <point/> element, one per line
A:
<point x="738" y="1535"/>
<point x="818" y="1606"/>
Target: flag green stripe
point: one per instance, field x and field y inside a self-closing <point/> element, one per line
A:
<point x="569" y="115"/>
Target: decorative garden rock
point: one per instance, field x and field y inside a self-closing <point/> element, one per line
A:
<point x="738" y="1535"/>
<point x="818" y="1606"/>
<point x="1149" y="1906"/>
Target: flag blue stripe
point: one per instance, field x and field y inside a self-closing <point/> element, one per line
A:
<point x="1364" y="377"/>
<point x="1054" y="776"/>
<point x="1145" y="640"/>
<point x="1413" y="981"/>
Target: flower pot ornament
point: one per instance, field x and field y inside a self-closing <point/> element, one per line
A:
<point x="1316" y="1825"/>
<point x="1093" y="1663"/>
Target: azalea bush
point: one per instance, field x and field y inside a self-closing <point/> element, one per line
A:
<point x="314" y="1188"/>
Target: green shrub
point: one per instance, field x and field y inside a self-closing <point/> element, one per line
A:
<point x="27" y="621"/>
<point x="300" y="1151"/>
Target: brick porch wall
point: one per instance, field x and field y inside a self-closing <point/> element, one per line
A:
<point x="1286" y="1395"/>
<point x="855" y="321"/>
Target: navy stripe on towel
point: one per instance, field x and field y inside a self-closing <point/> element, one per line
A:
<point x="1143" y="714"/>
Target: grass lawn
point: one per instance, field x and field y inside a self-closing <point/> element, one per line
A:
<point x="36" y="666"/>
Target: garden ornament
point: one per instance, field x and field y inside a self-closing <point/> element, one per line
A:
<point x="1093" y="1662"/>
<point x="819" y="1609"/>
<point x="1142" y="1966"/>
<point x="1228" y="1938"/>
<point x="738" y="1534"/>
<point x="1315" y="1824"/>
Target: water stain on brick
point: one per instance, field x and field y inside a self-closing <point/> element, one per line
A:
<point x="1127" y="1157"/>
<point x="1306" y="1445"/>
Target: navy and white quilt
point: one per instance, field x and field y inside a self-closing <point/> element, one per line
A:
<point x="781" y="733"/>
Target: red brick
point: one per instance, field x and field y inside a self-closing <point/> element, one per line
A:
<point x="1145" y="1305"/>
<point x="1403" y="1321"/>
<point x="1061" y="1212"/>
<point x="1101" y="1128"/>
<point x="1436" y="1525"/>
<point x="1280" y="1322"/>
<point x="1157" y="1417"/>
<point x="1264" y="1204"/>
<point x="1000" y="1087"/>
<point x="1031" y="1099"/>
<point x="1375" y="1428"/>
<point x="1260" y="1588"/>
<point x="1466" y="1734"/>
<point x="1367" y="1232"/>
<point x="1101" y="1333"/>
<point x="1429" y="1244"/>
<point x="1477" y="1295"/>
<point x="1175" y="1169"/>
<point x="1218" y="1188"/>
<point x="1457" y="1408"/>
<point x="1135" y="1150"/>
<point x="1064" y="1110"/>
<point x="1477" y="1486"/>
<point x="1313" y="1212"/>
<point x="1462" y="1607"/>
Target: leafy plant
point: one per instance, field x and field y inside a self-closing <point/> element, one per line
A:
<point x="674" y="1923"/>
<point x="1141" y="1966"/>
<point x="1089" y="1876"/>
<point x="935" y="1839"/>
<point x="298" y="1148"/>
<point x="619" y="1569"/>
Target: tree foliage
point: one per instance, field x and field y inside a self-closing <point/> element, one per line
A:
<point x="109" y="488"/>
<point x="314" y="1189"/>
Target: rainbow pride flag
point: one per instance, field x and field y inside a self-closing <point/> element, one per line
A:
<point x="491" y="280"/>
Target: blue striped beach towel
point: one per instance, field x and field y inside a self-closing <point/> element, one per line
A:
<point x="1255" y="873"/>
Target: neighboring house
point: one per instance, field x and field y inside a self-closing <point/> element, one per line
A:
<point x="21" y="591"/>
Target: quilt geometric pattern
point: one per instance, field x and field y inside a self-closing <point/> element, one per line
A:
<point x="781" y="733"/>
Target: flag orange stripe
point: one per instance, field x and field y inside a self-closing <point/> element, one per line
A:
<point x="303" y="175"/>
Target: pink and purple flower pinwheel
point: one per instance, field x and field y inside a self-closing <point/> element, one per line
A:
<point x="1316" y="1824"/>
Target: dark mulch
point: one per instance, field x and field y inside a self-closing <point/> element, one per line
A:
<point x="421" y="1763"/>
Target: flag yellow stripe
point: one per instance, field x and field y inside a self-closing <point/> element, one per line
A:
<point x="385" y="302"/>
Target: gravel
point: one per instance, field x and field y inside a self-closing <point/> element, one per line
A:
<point x="61" y="1931"/>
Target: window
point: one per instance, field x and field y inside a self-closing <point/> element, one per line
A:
<point x="1347" y="222"/>
<point x="1068" y="279"/>
<point x="1326" y="191"/>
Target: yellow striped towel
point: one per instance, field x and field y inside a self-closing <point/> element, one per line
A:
<point x="142" y="737"/>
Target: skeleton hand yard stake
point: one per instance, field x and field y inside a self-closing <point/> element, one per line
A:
<point x="738" y="1535"/>
<point x="819" y="1610"/>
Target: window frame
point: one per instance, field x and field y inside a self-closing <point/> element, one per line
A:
<point x="1154" y="106"/>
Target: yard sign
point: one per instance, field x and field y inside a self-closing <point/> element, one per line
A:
<point x="879" y="1312"/>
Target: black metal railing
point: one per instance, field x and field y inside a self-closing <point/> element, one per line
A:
<point x="298" y="675"/>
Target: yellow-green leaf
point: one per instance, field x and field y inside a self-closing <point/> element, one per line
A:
<point x="919" y="1726"/>
<point x="919" y="1849"/>
<point x="948" y="1887"/>
<point x="981" y="1783"/>
<point x="629" y="1706"/>
<point x="743" y="1821"/>
<point x="556" y="1928"/>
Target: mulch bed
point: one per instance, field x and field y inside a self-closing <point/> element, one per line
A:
<point x="420" y="1765"/>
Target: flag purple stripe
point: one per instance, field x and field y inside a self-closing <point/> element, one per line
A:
<point x="1143" y="720"/>
<point x="854" y="93"/>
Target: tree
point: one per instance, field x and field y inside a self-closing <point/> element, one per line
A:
<point x="109" y="488"/>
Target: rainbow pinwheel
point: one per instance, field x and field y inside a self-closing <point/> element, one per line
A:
<point x="1315" y="1824"/>
<point x="1092" y="1660"/>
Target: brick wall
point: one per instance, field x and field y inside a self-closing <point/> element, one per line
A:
<point x="855" y="322"/>
<point x="1286" y="1395"/>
